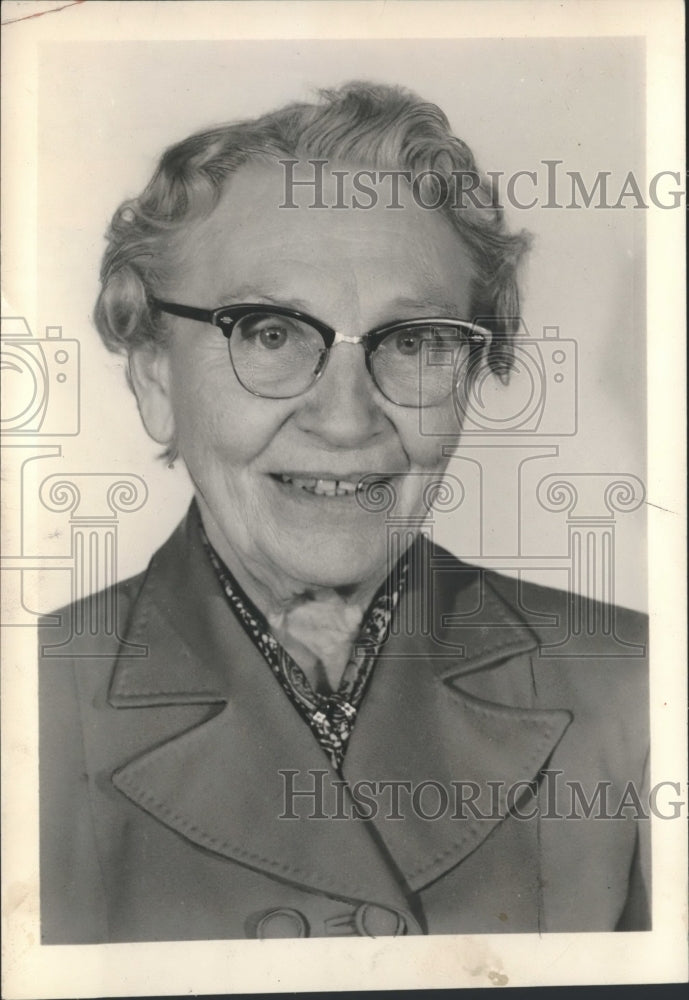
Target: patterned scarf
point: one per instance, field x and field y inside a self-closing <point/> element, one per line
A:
<point x="331" y="717"/>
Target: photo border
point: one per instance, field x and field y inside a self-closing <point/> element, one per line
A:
<point x="201" y="967"/>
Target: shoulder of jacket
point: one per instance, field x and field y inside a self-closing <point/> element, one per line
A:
<point x="599" y="677"/>
<point x="527" y="597"/>
<point x="590" y="655"/>
<point x="574" y="640"/>
<point x="100" y="618"/>
<point x="530" y="600"/>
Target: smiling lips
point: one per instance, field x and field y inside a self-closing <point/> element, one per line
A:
<point x="323" y="487"/>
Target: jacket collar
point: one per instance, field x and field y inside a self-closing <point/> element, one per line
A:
<point x="465" y="625"/>
<point x="415" y="725"/>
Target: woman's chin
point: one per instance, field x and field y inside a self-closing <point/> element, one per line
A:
<point x="334" y="563"/>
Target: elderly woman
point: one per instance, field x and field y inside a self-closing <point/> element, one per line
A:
<point x="317" y="723"/>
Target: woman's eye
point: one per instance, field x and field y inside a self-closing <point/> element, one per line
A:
<point x="271" y="332"/>
<point x="409" y="342"/>
<point x="273" y="336"/>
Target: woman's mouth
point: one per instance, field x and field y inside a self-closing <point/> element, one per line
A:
<point x="321" y="487"/>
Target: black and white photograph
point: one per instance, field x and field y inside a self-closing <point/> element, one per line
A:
<point x="343" y="550"/>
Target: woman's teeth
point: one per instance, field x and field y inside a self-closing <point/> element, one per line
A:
<point x="322" y="487"/>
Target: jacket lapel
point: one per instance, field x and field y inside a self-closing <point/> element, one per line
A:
<point x="224" y="784"/>
<point x="456" y="728"/>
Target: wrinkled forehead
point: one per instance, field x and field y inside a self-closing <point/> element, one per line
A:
<point x="284" y="223"/>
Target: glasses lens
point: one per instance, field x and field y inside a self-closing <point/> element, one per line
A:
<point x="415" y="365"/>
<point x="275" y="356"/>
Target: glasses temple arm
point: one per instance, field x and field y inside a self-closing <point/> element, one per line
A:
<point x="186" y="312"/>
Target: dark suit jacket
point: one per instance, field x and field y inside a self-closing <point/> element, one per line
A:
<point x="169" y="753"/>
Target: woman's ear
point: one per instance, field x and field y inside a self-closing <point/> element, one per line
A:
<point x="149" y="372"/>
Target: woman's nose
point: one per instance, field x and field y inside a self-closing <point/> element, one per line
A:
<point x="342" y="407"/>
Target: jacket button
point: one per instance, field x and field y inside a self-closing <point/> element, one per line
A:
<point x="281" y="923"/>
<point x="368" y="920"/>
<point x="378" y="921"/>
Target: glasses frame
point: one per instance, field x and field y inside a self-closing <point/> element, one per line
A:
<point x="226" y="318"/>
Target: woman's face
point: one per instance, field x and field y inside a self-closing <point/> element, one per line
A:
<point x="251" y="458"/>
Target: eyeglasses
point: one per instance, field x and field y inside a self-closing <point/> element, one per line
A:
<point x="280" y="353"/>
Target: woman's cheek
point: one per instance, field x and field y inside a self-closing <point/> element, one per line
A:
<point x="428" y="436"/>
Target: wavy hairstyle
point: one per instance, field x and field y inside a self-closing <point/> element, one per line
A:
<point x="371" y="125"/>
